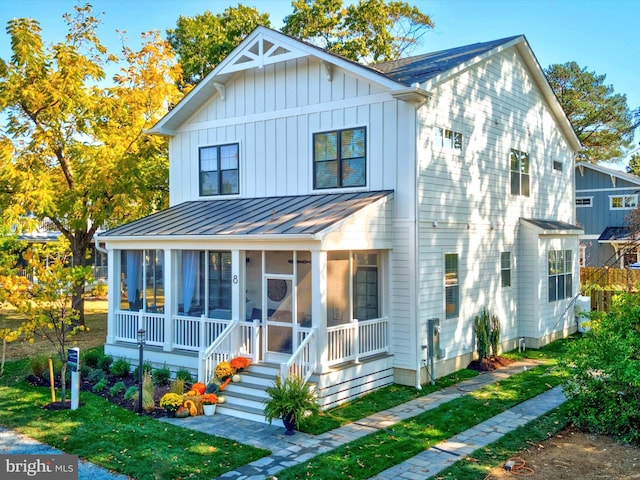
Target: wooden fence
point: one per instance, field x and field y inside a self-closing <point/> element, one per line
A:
<point x="608" y="282"/>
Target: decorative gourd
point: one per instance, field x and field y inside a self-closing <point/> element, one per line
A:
<point x="182" y="412"/>
<point x="236" y="378"/>
<point x="191" y="406"/>
<point x="199" y="387"/>
<point x="222" y="399"/>
<point x="192" y="393"/>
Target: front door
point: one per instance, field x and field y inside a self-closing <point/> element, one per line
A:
<point x="280" y="308"/>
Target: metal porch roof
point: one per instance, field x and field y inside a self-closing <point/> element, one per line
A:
<point x="615" y="234"/>
<point x="553" y="225"/>
<point x="292" y="215"/>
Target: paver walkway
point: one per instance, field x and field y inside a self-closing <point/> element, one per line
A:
<point x="287" y="451"/>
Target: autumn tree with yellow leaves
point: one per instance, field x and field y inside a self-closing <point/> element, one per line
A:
<point x="73" y="149"/>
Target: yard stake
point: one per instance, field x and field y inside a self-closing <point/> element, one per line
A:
<point x="53" y="388"/>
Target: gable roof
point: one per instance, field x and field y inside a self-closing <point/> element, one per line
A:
<point x="406" y="79"/>
<point x="627" y="177"/>
<point x="303" y="215"/>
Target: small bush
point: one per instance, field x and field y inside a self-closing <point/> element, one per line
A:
<point x="161" y="376"/>
<point x="487" y="334"/>
<point x="117" y="388"/>
<point x="100" y="386"/>
<point x="131" y="393"/>
<point x="121" y="368"/>
<point x="146" y="368"/>
<point x="92" y="358"/>
<point x="99" y="290"/>
<point x="38" y="366"/>
<point x="84" y="370"/>
<point x="105" y="363"/>
<point x="184" y="374"/>
<point x="95" y="375"/>
<point x="148" y="402"/>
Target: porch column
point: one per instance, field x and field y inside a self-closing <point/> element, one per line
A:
<point x="168" y="298"/>
<point x="237" y="310"/>
<point x="319" y="306"/>
<point x="113" y="299"/>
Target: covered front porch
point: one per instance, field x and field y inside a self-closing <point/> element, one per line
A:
<point x="307" y="303"/>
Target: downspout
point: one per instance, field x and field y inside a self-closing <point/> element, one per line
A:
<point x="98" y="247"/>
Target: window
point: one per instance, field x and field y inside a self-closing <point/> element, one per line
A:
<point x="451" y="285"/>
<point x="142" y="282"/>
<point x="448" y="139"/>
<point x="505" y="269"/>
<point x="623" y="202"/>
<point x="365" y="286"/>
<point x="560" y="274"/>
<point x="557" y="165"/>
<point x="584" y="201"/>
<point x="339" y="158"/>
<point x="219" y="170"/>
<point x="519" y="173"/>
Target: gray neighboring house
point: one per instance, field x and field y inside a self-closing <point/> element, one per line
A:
<point x="604" y="199"/>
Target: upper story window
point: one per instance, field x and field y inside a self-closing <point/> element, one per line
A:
<point x="219" y="170"/>
<point x="448" y="139"/>
<point x="519" y="172"/>
<point x="623" y="202"/>
<point x="339" y="158"/>
<point x="584" y="201"/>
<point x="557" y="165"/>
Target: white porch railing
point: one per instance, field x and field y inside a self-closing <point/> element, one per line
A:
<point x="351" y="341"/>
<point x="302" y="362"/>
<point x="128" y="323"/>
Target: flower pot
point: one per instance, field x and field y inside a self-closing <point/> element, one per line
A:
<point x="289" y="425"/>
<point x="209" y="409"/>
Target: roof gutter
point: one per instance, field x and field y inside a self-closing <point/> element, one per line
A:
<point x="173" y="238"/>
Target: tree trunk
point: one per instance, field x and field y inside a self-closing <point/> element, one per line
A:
<point x="63" y="381"/>
<point x="79" y="250"/>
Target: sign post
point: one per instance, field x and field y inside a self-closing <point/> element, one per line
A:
<point x="73" y="362"/>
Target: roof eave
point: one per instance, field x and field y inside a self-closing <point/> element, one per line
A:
<point x="195" y="238"/>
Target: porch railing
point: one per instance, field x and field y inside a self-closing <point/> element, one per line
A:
<point x="356" y="339"/>
<point x="128" y="323"/>
<point x="302" y="362"/>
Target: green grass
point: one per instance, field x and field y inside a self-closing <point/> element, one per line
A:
<point x="378" y="451"/>
<point x="382" y="399"/>
<point x="482" y="461"/>
<point x="116" y="438"/>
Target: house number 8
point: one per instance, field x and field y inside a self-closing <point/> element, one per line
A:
<point x="235" y="279"/>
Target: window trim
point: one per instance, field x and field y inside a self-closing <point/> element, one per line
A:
<point x="504" y="270"/>
<point x="565" y="272"/>
<point x="339" y="159"/>
<point x="453" y="287"/>
<point x="623" y="196"/>
<point x="519" y="172"/>
<point x="219" y="169"/>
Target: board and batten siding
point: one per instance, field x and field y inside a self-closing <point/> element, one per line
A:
<point x="497" y="108"/>
<point x="281" y="107"/>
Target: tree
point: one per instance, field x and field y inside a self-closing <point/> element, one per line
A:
<point x="73" y="151"/>
<point x="10" y="248"/>
<point x="634" y="164"/>
<point x="368" y="31"/>
<point x="47" y="301"/>
<point x="205" y="40"/>
<point x="601" y="118"/>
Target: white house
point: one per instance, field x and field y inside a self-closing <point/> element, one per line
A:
<point x="348" y="222"/>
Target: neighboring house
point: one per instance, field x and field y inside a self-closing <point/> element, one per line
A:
<point x="348" y="222"/>
<point x="604" y="200"/>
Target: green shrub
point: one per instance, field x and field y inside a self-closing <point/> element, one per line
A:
<point x="146" y="368"/>
<point x="99" y="289"/>
<point x="603" y="385"/>
<point x="105" y="363"/>
<point x="184" y="374"/>
<point x="38" y="365"/>
<point x="100" y="386"/>
<point x="148" y="401"/>
<point x="92" y="358"/>
<point x="161" y="376"/>
<point x="95" y="375"/>
<point x="117" y="388"/>
<point x="131" y="393"/>
<point x="121" y="368"/>
<point x="487" y="334"/>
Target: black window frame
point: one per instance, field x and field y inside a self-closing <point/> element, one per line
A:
<point x="220" y="182"/>
<point x="340" y="159"/>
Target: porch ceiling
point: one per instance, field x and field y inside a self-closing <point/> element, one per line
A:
<point x="303" y="215"/>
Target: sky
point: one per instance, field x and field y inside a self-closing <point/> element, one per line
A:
<point x="600" y="35"/>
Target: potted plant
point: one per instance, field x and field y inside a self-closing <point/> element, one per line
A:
<point x="291" y="400"/>
<point x="171" y="402"/>
<point x="209" y="401"/>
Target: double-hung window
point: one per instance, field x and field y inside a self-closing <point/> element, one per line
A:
<point x="219" y="170"/>
<point x="623" y="202"/>
<point x="339" y="158"/>
<point x="519" y="162"/>
<point x="505" y="269"/>
<point x="560" y="264"/>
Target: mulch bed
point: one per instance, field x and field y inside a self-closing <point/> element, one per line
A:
<point x="118" y="399"/>
<point x="489" y="364"/>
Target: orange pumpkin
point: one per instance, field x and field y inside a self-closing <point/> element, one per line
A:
<point x="199" y="387"/>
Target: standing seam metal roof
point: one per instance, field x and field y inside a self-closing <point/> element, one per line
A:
<point x="291" y="215"/>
